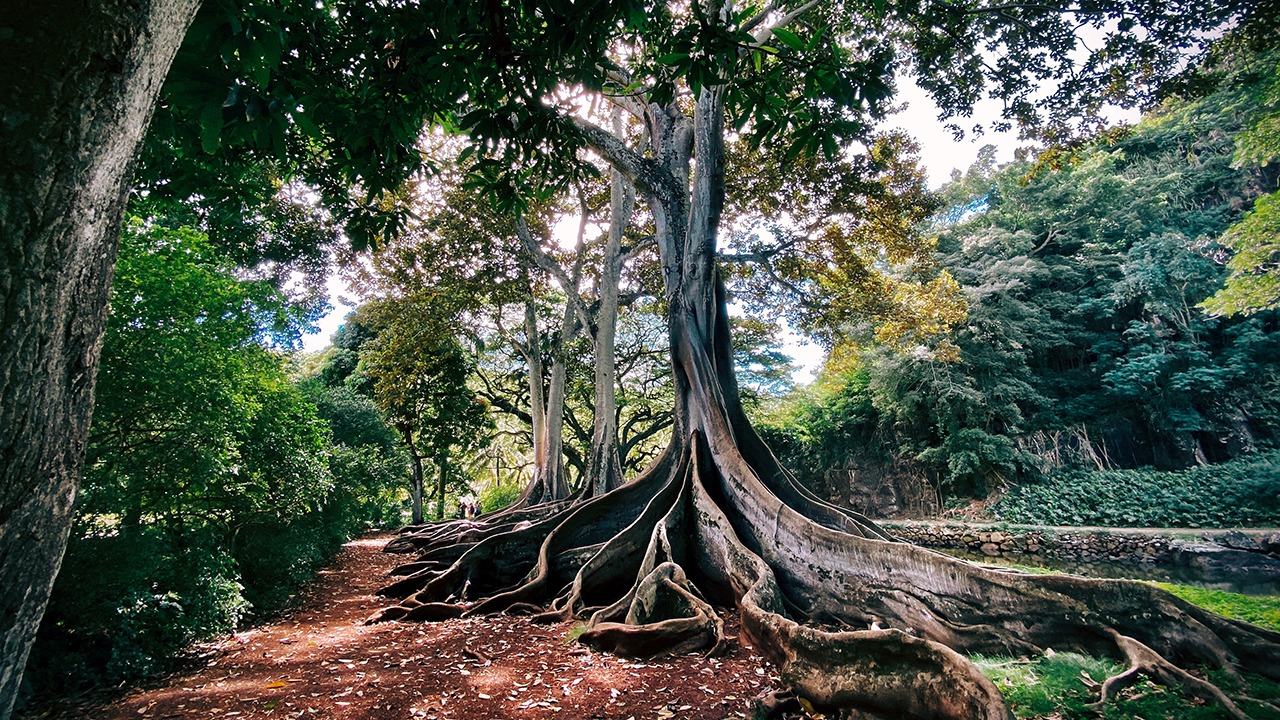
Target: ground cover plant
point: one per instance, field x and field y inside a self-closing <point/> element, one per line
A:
<point x="1239" y="493"/>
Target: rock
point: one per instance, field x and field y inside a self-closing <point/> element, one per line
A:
<point x="1271" y="543"/>
<point x="1250" y="571"/>
<point x="990" y="549"/>
<point x="1237" y="540"/>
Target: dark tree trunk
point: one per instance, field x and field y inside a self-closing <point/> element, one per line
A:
<point x="441" y="484"/>
<point x="78" y="81"/>
<point x="417" y="484"/>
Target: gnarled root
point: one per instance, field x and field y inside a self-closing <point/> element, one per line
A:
<point x="1145" y="661"/>
<point x="852" y="620"/>
<point x="665" y="617"/>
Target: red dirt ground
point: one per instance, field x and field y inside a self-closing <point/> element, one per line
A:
<point x="320" y="661"/>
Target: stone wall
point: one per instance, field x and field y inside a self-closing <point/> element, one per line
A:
<point x="1241" y="561"/>
<point x="1018" y="542"/>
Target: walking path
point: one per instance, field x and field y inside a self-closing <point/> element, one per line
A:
<point x="321" y="661"/>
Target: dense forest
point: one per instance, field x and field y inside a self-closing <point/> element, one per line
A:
<point x="575" y="283"/>
<point x="1087" y="345"/>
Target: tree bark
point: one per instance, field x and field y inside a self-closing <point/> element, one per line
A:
<point x="78" y="84"/>
<point x="537" y="402"/>
<point x="417" y="484"/>
<point x="441" y="485"/>
<point x="553" y="475"/>
<point x="604" y="469"/>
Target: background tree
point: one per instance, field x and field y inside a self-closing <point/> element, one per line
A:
<point x="1253" y="280"/>
<point x="417" y="371"/>
<point x="1084" y="346"/>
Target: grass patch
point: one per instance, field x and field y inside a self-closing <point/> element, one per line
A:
<point x="1038" y="688"/>
<point x="575" y="632"/>
<point x="1053" y="688"/>
<point x="1263" y="611"/>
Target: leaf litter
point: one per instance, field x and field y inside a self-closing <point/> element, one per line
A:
<point x="321" y="661"/>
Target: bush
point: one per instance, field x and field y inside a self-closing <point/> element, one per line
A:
<point x="498" y="496"/>
<point x="1242" y="492"/>
<point x="124" y="605"/>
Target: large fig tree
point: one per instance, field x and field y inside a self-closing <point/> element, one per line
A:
<point x="852" y="618"/>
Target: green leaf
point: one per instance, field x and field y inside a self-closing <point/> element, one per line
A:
<point x="673" y="58"/>
<point x="210" y="127"/>
<point x="789" y="38"/>
<point x="307" y="125"/>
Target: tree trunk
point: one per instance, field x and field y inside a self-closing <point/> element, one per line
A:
<point x="416" y="483"/>
<point x="554" y="481"/>
<point x="78" y="85"/>
<point x="536" y="491"/>
<point x="604" y="469"/>
<point x="852" y="618"/>
<point x="441" y="485"/>
<point x="547" y="406"/>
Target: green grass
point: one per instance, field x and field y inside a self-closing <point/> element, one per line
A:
<point x="575" y="632"/>
<point x="1054" y="687"/>
<point x="1051" y="688"/>
<point x="1263" y="611"/>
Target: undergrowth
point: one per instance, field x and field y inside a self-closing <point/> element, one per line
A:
<point x="1261" y="610"/>
<point x="1239" y="493"/>
<point x="1061" y="686"/>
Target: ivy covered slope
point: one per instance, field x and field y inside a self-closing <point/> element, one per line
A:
<point x="1086" y="346"/>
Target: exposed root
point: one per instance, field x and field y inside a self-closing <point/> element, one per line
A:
<point x="774" y="703"/>
<point x="853" y="621"/>
<point x="1145" y="661"/>
<point x="664" y="617"/>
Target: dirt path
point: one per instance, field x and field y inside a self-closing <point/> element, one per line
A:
<point x="321" y="662"/>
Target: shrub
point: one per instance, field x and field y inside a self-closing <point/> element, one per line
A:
<point x="498" y="496"/>
<point x="124" y="605"/>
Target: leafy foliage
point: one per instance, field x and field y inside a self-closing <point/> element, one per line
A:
<point x="1242" y="492"/>
<point x="1084" y="345"/>
<point x="498" y="496"/>
<point x="214" y="487"/>
<point x="1253" y="283"/>
<point x="416" y="370"/>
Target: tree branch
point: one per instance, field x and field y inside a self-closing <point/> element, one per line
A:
<point x="763" y="34"/>
<point x="634" y="166"/>
<point x="547" y="263"/>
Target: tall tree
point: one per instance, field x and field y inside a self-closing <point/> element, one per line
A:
<point x="418" y="372"/>
<point x="716" y="517"/>
<point x="72" y="121"/>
